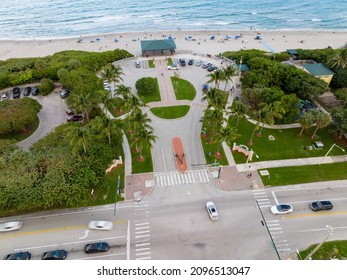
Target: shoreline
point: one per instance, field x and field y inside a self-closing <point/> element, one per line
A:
<point x="272" y="41"/>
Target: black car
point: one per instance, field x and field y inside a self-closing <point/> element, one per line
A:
<point x="54" y="255"/>
<point x="26" y="91"/>
<point x="16" y="92"/>
<point x="18" y="256"/>
<point x="74" y="118"/>
<point x="35" y="91"/>
<point x="321" y="205"/>
<point x="182" y="62"/>
<point x="212" y="68"/>
<point x="190" y="62"/>
<point x="96" y="247"/>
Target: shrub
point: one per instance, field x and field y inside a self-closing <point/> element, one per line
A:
<point x="46" y="86"/>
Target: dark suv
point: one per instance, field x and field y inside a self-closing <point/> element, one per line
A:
<point x="182" y="62"/>
<point x="16" y="92"/>
<point x="35" y="91"/>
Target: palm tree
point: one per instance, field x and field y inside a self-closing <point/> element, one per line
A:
<point x="139" y="120"/>
<point x="133" y="103"/>
<point x="238" y="109"/>
<point x="78" y="136"/>
<point x="226" y="134"/>
<point x="144" y="138"/>
<point x="112" y="73"/>
<point x="214" y="98"/>
<point x="339" y="60"/>
<point x="83" y="102"/>
<point x="271" y="112"/>
<point x="109" y="128"/>
<point x="229" y="72"/>
<point x="306" y="121"/>
<point x="216" y="76"/>
<point x="322" y="120"/>
<point x="214" y="116"/>
<point x="258" y="117"/>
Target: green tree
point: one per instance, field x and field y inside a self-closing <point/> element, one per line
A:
<point x="271" y="112"/>
<point x="144" y="138"/>
<point x="216" y="77"/>
<point x="321" y="120"/>
<point x="78" y="137"/>
<point x="111" y="129"/>
<point x="238" y="109"/>
<point x="46" y="86"/>
<point x="339" y="120"/>
<point x="306" y="120"/>
<point x="226" y="134"/>
<point x="228" y="73"/>
<point x="339" y="59"/>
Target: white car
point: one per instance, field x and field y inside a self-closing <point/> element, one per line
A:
<point x="198" y="63"/>
<point x="173" y="67"/>
<point x="212" y="210"/>
<point x="282" y="208"/>
<point x="10" y="226"/>
<point x="100" y="225"/>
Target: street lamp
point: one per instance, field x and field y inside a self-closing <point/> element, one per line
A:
<point x="334" y="145"/>
<point x="331" y="232"/>
<point x="249" y="157"/>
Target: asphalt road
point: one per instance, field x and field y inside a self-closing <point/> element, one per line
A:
<point x="173" y="223"/>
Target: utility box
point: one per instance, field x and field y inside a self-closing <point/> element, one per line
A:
<point x="318" y="145"/>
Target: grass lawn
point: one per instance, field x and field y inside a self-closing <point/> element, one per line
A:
<point x="305" y="174"/>
<point x="288" y="143"/>
<point x="210" y="150"/>
<point x="171" y="112"/>
<point x="184" y="90"/>
<point x="20" y="136"/>
<point x="329" y="250"/>
<point x="151" y="63"/>
<point x="151" y="96"/>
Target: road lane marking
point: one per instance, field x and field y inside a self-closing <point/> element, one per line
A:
<point x="142" y="244"/>
<point x="316" y="214"/>
<point x="51" y="230"/>
<point x="67" y="243"/>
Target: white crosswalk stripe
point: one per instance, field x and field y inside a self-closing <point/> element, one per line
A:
<point x="176" y="178"/>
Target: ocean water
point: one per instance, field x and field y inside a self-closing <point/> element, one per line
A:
<point x="69" y="18"/>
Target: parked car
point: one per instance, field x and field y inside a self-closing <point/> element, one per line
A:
<point x="96" y="247"/>
<point x="198" y="63"/>
<point x="190" y="61"/>
<point x="137" y="64"/>
<point x="18" y="256"/>
<point x="16" y="92"/>
<point x="74" y="118"/>
<point x="100" y="225"/>
<point x="182" y="62"/>
<point x="173" y="67"/>
<point x="205" y="87"/>
<point x="65" y="93"/>
<point x="54" y="255"/>
<point x="212" y="68"/>
<point x="5" y="96"/>
<point x="26" y="91"/>
<point x="282" y="208"/>
<point x="205" y="65"/>
<point x="212" y="210"/>
<point x="321" y="205"/>
<point x="10" y="226"/>
<point x="35" y="91"/>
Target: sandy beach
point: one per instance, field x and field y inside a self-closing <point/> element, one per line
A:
<point x="271" y="41"/>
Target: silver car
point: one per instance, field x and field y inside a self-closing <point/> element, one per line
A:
<point x="100" y="225"/>
<point x="10" y="226"/>
<point x="212" y="210"/>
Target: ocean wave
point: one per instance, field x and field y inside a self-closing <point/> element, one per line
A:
<point x="294" y="20"/>
<point x="316" y="19"/>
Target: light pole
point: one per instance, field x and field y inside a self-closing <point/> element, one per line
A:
<point x="249" y="157"/>
<point x="331" y="232"/>
<point x="117" y="190"/>
<point x="334" y="145"/>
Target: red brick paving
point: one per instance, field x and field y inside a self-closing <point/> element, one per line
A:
<point x="180" y="158"/>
